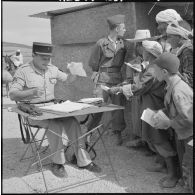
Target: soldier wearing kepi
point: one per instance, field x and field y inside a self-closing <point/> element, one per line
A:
<point x="35" y="82"/>
<point x="106" y="61"/>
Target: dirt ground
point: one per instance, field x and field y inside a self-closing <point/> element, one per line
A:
<point x="129" y="165"/>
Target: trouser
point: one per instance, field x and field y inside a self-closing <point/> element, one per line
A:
<point x="71" y="128"/>
<point x="118" y="121"/>
<point x="180" y="148"/>
<point x="164" y="149"/>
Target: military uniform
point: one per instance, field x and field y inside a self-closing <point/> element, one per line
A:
<point x="107" y="58"/>
<point x="26" y="77"/>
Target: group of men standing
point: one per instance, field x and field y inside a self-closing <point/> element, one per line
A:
<point x="161" y="76"/>
<point x="160" y="79"/>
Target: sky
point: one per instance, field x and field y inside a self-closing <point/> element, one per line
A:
<point x="18" y="27"/>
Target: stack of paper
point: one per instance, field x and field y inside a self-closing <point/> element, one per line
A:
<point x="147" y="116"/>
<point x="66" y="107"/>
<point x="91" y="100"/>
<point x="76" y="68"/>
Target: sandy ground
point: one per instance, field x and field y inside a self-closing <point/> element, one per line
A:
<point x="129" y="165"/>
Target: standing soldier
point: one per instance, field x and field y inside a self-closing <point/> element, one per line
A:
<point x="106" y="60"/>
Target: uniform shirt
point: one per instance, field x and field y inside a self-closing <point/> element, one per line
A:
<point x="105" y="54"/>
<point x="179" y="107"/>
<point x="27" y="76"/>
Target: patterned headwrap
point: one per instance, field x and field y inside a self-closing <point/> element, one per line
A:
<point x="152" y="47"/>
<point x="168" y="16"/>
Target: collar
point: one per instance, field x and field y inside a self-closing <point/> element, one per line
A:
<point x="115" y="42"/>
<point x="186" y="43"/>
<point x="36" y="70"/>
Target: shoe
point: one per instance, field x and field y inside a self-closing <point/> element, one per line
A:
<point x="118" y="137"/>
<point x="157" y="168"/>
<point x="92" y="167"/>
<point x="58" y="170"/>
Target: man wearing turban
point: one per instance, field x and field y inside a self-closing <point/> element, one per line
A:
<point x="178" y="35"/>
<point x="163" y="19"/>
<point x="152" y="96"/>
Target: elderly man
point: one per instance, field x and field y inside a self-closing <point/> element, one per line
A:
<point x="163" y="18"/>
<point x="179" y="109"/>
<point x="106" y="60"/>
<point x="178" y="36"/>
<point x="35" y="82"/>
<point x="152" y="96"/>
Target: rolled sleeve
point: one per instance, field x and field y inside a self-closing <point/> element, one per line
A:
<point x="18" y="81"/>
<point x="95" y="57"/>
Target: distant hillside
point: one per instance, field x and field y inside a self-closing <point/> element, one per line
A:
<point x="8" y="44"/>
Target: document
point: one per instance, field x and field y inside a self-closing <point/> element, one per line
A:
<point x="91" y="100"/>
<point x="76" y="68"/>
<point x="136" y="67"/>
<point x="66" y="107"/>
<point x="147" y="116"/>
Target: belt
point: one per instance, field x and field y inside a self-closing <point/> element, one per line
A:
<point x="109" y="69"/>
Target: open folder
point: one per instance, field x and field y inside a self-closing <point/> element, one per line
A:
<point x="66" y="107"/>
<point x="148" y="115"/>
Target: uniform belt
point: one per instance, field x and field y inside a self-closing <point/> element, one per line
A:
<point x="109" y="69"/>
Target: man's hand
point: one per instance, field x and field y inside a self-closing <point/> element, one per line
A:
<point x="160" y="123"/>
<point x="115" y="90"/>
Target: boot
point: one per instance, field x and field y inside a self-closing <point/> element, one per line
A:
<point x="171" y="180"/>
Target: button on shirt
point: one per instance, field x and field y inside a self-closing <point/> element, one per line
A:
<point x="27" y="76"/>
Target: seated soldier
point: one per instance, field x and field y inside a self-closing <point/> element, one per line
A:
<point x="35" y="82"/>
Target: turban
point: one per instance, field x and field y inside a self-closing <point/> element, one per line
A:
<point x="175" y="29"/>
<point x="152" y="47"/>
<point x="168" y="16"/>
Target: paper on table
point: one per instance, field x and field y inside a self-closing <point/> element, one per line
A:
<point x="66" y="107"/>
<point x="91" y="100"/>
<point x="147" y="116"/>
<point x="76" y="68"/>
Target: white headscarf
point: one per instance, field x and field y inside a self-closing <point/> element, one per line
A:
<point x="168" y="16"/>
<point x="176" y="29"/>
<point x="152" y="47"/>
